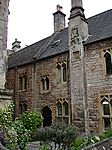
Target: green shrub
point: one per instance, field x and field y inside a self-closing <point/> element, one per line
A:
<point x="31" y="120"/>
<point x="78" y="142"/>
<point x="106" y="134"/>
<point x="62" y="135"/>
<point x="44" y="147"/>
<point x="16" y="134"/>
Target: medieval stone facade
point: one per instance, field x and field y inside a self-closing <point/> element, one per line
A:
<point x="67" y="76"/>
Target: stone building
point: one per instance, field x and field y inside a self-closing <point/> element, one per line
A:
<point x="68" y="75"/>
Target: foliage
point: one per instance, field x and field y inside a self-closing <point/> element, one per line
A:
<point x="31" y="120"/>
<point x="106" y="134"/>
<point x="78" y="142"/>
<point x="6" y="121"/>
<point x="6" y="116"/>
<point x="62" y="135"/>
<point x="44" y="147"/>
<point x="16" y="134"/>
<point x="23" y="135"/>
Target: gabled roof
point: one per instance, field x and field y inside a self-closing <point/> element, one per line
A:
<point x="100" y="27"/>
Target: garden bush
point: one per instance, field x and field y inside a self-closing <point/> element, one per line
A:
<point x="16" y="134"/>
<point x="61" y="135"/>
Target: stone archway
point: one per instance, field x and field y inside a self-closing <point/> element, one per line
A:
<point x="47" y="116"/>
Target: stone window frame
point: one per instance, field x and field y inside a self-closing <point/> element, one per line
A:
<point x="62" y="116"/>
<point x="61" y="72"/>
<point x="22" y="106"/>
<point x="106" y="99"/>
<point x="103" y="62"/>
<point x="22" y="82"/>
<point x="45" y="83"/>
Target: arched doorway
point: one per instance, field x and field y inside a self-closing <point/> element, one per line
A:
<point x="47" y="116"/>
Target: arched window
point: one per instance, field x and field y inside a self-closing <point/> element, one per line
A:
<point x="20" y="82"/>
<point x="43" y="83"/>
<point x="20" y="108"/>
<point x="108" y="63"/>
<point x="65" y="108"/>
<point x="24" y="82"/>
<point x="106" y="109"/>
<point x="47" y="83"/>
<point x="58" y="73"/>
<point x="64" y="72"/>
<point x="24" y="107"/>
<point x="59" y="109"/>
<point x="106" y="113"/>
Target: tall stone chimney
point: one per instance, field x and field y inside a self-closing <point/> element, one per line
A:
<point x="4" y="4"/>
<point x="59" y="19"/>
<point x="78" y="32"/>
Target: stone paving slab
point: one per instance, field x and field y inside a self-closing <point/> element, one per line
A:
<point x="34" y="145"/>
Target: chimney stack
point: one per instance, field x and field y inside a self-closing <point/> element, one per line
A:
<point x="59" y="19"/>
<point x="16" y="45"/>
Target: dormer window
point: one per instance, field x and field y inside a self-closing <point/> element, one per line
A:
<point x="56" y="43"/>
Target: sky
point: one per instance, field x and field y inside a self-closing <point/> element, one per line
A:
<point x="32" y="20"/>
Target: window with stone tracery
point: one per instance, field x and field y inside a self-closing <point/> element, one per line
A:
<point x="22" y="106"/>
<point x="106" y="102"/>
<point x="61" y="72"/>
<point x="62" y="111"/>
<point x="45" y="83"/>
<point x="107" y="54"/>
<point x="22" y="82"/>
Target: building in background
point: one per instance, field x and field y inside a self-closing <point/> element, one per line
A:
<point x="68" y="75"/>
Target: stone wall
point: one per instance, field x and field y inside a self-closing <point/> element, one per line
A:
<point x="98" y="83"/>
<point x="13" y="84"/>
<point x="56" y="90"/>
<point x="34" y="95"/>
<point x="103" y="145"/>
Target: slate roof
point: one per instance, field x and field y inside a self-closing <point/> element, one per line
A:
<point x="100" y="27"/>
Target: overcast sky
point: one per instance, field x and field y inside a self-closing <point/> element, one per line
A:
<point x="32" y="20"/>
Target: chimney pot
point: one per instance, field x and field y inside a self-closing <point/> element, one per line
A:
<point x="16" y="45"/>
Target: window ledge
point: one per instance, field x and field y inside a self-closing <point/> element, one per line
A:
<point x="22" y="90"/>
<point x="62" y="83"/>
<point x="106" y="116"/>
<point x="60" y="116"/>
<point x="108" y="76"/>
<point x="44" y="92"/>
